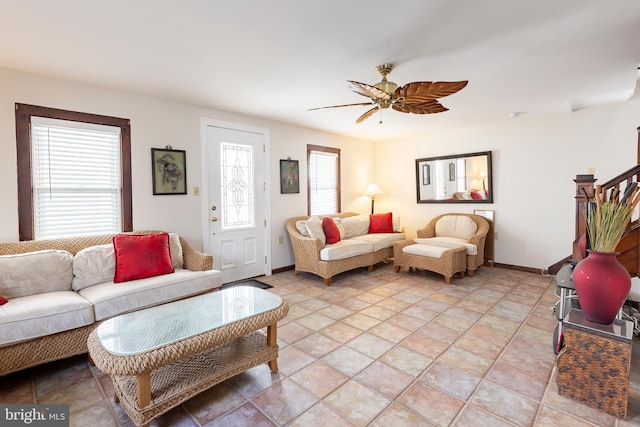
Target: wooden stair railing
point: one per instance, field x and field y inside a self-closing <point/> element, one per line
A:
<point x="629" y="246"/>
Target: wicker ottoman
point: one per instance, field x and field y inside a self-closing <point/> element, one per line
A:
<point x="445" y="261"/>
<point x="164" y="355"/>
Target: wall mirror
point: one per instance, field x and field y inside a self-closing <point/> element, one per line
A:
<point x="459" y="178"/>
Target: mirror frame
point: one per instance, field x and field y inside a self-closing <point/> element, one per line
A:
<point x="420" y="177"/>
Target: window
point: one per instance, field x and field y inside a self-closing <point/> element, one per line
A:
<point x="323" y="166"/>
<point x="74" y="173"/>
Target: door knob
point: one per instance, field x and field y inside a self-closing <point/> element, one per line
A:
<point x="214" y="218"/>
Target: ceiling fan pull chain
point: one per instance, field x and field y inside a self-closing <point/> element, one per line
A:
<point x="380" y="110"/>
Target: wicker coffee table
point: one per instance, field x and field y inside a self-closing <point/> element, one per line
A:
<point x="162" y="356"/>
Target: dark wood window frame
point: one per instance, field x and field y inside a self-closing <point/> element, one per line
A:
<point x="24" y="112"/>
<point x="311" y="148"/>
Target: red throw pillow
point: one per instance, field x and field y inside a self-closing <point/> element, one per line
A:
<point x="330" y="230"/>
<point x="3" y="300"/>
<point x="140" y="256"/>
<point x="475" y="195"/>
<point x="381" y="223"/>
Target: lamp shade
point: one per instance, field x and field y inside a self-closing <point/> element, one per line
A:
<point x="372" y="190"/>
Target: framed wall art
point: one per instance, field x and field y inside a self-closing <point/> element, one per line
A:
<point x="289" y="176"/>
<point x="169" y="168"/>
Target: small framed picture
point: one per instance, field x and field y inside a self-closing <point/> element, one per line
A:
<point x="426" y="174"/>
<point x="289" y="177"/>
<point x="169" y="171"/>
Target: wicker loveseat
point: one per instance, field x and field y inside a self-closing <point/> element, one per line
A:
<point x="36" y="328"/>
<point x="361" y="250"/>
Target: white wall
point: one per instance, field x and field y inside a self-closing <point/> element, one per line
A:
<point x="157" y="123"/>
<point x="535" y="160"/>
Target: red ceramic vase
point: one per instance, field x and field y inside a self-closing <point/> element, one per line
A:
<point x="602" y="285"/>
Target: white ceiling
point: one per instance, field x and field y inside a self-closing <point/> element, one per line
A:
<point x="276" y="59"/>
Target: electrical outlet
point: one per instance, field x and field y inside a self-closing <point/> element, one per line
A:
<point x="280" y="239"/>
<point x="196" y="191"/>
<point x="495" y="235"/>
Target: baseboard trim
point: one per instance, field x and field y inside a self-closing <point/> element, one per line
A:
<point x="505" y="266"/>
<point x="283" y="269"/>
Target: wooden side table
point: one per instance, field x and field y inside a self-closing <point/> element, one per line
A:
<point x="593" y="367"/>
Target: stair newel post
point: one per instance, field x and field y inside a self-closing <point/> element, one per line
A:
<point x="584" y="184"/>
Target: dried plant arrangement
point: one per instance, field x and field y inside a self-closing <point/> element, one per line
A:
<point x="608" y="218"/>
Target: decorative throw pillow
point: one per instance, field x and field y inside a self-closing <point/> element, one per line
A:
<point x="3" y="300"/>
<point x="381" y="223"/>
<point x="314" y="225"/>
<point x="93" y="265"/>
<point x="330" y="230"/>
<point x="141" y="256"/>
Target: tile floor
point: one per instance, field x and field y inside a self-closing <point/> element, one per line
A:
<point x="373" y="349"/>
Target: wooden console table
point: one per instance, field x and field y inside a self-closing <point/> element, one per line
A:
<point x="593" y="367"/>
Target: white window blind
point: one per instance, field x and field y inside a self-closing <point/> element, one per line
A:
<point x="323" y="182"/>
<point x="75" y="178"/>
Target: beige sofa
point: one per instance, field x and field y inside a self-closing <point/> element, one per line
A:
<point x="59" y="290"/>
<point x="357" y="247"/>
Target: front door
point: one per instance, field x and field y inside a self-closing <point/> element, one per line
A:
<point x="237" y="195"/>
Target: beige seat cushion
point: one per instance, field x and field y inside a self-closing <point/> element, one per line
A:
<point x="459" y="226"/>
<point x="424" y="250"/>
<point x="34" y="316"/>
<point x="380" y="240"/>
<point x="110" y="299"/>
<point x="345" y="249"/>
<point x="449" y="242"/>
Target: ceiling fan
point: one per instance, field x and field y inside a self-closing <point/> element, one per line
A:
<point x="414" y="97"/>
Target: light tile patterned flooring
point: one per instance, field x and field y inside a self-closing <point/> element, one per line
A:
<point x="374" y="349"/>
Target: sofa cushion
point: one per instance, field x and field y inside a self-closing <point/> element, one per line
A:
<point x="301" y="226"/>
<point x="314" y="225"/>
<point x="175" y="247"/>
<point x="93" y="265"/>
<point x="331" y="230"/>
<point x="35" y="273"/>
<point x="141" y="256"/>
<point x="381" y="240"/>
<point x="97" y="264"/>
<point x="48" y="313"/>
<point x="381" y="223"/>
<point x="449" y="242"/>
<point x="338" y="222"/>
<point x="459" y="226"/>
<point x="110" y="300"/>
<point x="355" y="225"/>
<point x="424" y="250"/>
<point x="345" y="249"/>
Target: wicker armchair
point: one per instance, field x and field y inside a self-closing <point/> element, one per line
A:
<point x="473" y="261"/>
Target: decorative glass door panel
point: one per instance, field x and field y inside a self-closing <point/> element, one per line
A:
<point x="236" y="186"/>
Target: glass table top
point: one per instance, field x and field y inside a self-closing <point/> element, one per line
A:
<point x="154" y="327"/>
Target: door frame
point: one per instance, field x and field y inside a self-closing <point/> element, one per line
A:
<point x="204" y="187"/>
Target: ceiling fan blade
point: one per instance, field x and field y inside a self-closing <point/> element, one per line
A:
<point x="368" y="91"/>
<point x="366" y="115"/>
<point x="417" y="92"/>
<point x="427" y="107"/>
<point x="343" y="105"/>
